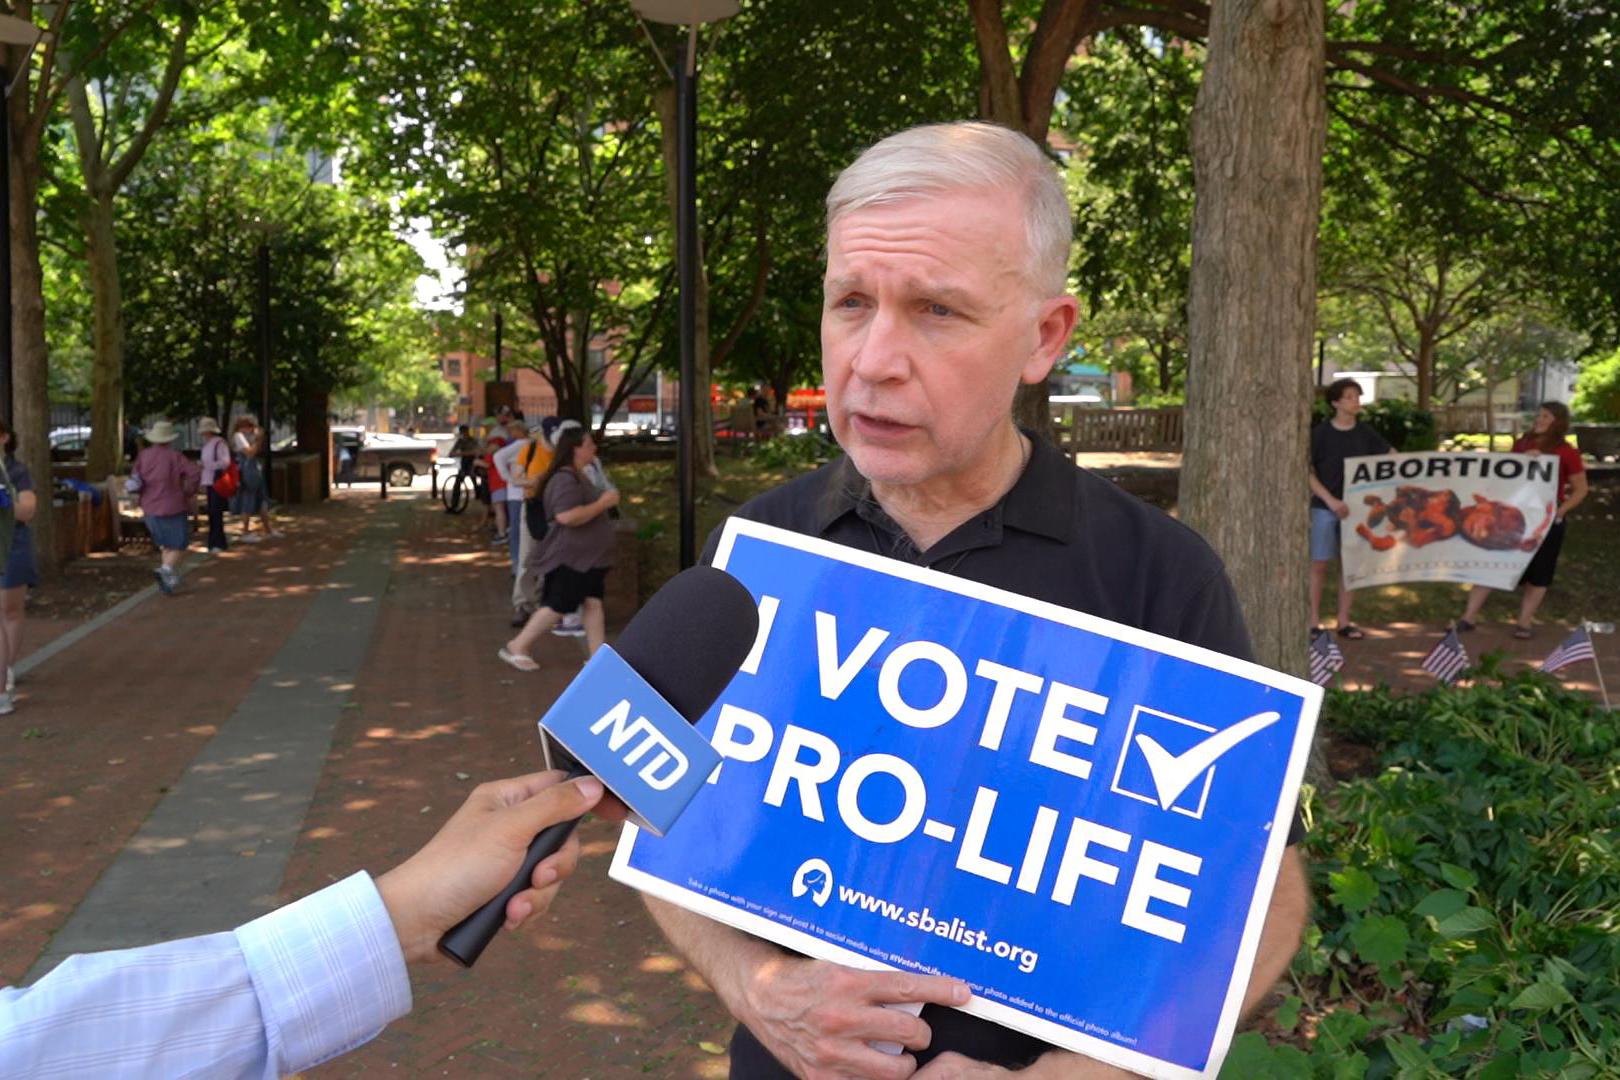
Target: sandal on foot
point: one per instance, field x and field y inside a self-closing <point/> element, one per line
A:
<point x="1351" y="632"/>
<point x="1462" y="626"/>
<point x="1523" y="633"/>
<point x="518" y="660"/>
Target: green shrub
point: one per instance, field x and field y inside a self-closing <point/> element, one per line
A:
<point x="794" y="451"/>
<point x="1468" y="895"/>
<point x="1597" y="390"/>
<point x="1402" y="424"/>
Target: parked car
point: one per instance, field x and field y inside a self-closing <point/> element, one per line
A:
<point x="69" y="442"/>
<point x="403" y="457"/>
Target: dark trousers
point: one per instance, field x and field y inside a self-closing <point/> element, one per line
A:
<point x="216" y="519"/>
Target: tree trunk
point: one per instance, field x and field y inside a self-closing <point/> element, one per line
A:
<point x="1425" y="366"/>
<point x="107" y="366"/>
<point x="1258" y="131"/>
<point x="30" y="386"/>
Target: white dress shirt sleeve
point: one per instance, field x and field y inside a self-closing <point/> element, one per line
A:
<point x="282" y="994"/>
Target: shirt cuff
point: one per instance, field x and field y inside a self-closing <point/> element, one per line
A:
<point x="328" y="972"/>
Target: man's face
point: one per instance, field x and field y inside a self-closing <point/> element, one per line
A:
<point x="1349" y="403"/>
<point x="929" y="323"/>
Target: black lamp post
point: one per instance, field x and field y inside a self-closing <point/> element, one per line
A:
<point x="691" y="14"/>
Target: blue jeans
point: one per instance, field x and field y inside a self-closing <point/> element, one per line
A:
<point x="1324" y="535"/>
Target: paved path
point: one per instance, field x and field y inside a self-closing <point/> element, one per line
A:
<point x="212" y="854"/>
<point x="306" y="708"/>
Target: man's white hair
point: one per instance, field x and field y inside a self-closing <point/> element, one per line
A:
<point x="938" y="158"/>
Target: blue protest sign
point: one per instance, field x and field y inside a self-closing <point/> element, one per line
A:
<point x="631" y="739"/>
<point x="1081" y="820"/>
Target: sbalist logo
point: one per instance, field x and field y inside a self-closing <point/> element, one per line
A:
<point x="814" y="876"/>
<point x="665" y="765"/>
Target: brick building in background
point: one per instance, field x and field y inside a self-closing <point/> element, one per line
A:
<point x="470" y="374"/>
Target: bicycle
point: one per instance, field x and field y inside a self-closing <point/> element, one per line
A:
<point x="459" y="492"/>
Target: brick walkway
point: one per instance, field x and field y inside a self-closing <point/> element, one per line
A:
<point x="108" y="726"/>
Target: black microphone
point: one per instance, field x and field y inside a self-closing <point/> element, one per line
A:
<point x="686" y="645"/>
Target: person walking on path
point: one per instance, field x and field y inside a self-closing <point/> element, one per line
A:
<point x="506" y="464"/>
<point x="167" y="483"/>
<point x="1547" y="435"/>
<point x="253" y="497"/>
<point x="216" y="461"/>
<point x="574" y="551"/>
<point x="1332" y="441"/>
<point x="21" y="573"/>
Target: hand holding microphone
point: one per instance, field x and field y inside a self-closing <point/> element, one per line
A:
<point x="473" y="853"/>
<point x="627" y="719"/>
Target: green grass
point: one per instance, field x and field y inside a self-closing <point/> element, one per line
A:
<point x="651" y="500"/>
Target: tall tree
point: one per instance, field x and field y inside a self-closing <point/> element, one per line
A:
<point x="1258" y="133"/>
<point x="41" y="76"/>
<point x="132" y="102"/>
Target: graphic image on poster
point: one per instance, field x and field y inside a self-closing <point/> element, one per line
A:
<point x="1476" y="519"/>
<point x="1081" y="820"/>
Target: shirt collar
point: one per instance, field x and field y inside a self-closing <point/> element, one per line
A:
<point x="1040" y="502"/>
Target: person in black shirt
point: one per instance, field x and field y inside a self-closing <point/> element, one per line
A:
<point x="947" y="258"/>
<point x="1332" y="441"/>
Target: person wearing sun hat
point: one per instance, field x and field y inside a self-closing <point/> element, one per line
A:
<point x="216" y="461"/>
<point x="166" y="482"/>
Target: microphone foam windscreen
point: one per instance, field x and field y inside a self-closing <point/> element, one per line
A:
<point x="689" y="640"/>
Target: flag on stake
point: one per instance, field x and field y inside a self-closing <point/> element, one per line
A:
<point x="1447" y="659"/>
<point x="1573" y="649"/>
<point x="1325" y="657"/>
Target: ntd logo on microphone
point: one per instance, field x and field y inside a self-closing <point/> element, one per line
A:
<point x="632" y="740"/>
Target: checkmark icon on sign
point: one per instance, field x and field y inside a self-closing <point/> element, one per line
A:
<point x="1172" y="773"/>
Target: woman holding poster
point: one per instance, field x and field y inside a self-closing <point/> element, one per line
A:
<point x="1546" y="436"/>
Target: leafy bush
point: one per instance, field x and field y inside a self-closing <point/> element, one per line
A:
<point x="1597" y="390"/>
<point x="1402" y="424"/>
<point x="1469" y="894"/>
<point x="794" y="451"/>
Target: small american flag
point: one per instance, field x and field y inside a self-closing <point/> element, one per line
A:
<point x="1447" y="659"/>
<point x="1325" y="657"/>
<point x="1576" y="647"/>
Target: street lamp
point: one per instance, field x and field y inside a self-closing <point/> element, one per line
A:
<point x="13" y="31"/>
<point x="261" y="262"/>
<point x="691" y="14"/>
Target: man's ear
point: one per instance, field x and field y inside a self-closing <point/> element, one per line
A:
<point x="1053" y="327"/>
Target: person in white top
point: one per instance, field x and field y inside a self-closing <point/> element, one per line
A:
<point x="506" y="463"/>
<point x="216" y="460"/>
<point x="301" y="985"/>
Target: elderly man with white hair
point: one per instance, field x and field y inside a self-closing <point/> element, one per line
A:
<point x="945" y="290"/>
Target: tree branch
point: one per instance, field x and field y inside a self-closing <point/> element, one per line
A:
<point x="998" y="83"/>
<point x="161" y="103"/>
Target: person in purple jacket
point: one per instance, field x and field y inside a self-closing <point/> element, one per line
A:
<point x="166" y="481"/>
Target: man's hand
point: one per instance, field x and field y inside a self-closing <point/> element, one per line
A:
<point x="817" y="1018"/>
<point x="474" y="855"/>
<point x="1340" y="508"/>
